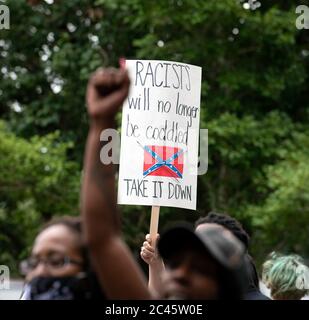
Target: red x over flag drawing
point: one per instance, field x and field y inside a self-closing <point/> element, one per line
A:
<point x="163" y="161"/>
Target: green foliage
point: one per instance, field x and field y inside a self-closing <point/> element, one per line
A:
<point x="37" y="181"/>
<point x="281" y="221"/>
<point x="240" y="147"/>
<point x="254" y="103"/>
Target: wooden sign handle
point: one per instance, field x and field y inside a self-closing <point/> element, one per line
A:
<point x="154" y="222"/>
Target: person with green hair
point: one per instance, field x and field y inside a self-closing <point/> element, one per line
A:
<point x="286" y="276"/>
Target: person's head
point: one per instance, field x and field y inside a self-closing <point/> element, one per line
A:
<point x="235" y="227"/>
<point x="228" y="223"/>
<point x="58" y="250"/>
<point x="201" y="264"/>
<point x="59" y="267"/>
<point x="285" y="276"/>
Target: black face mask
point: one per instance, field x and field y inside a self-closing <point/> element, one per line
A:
<point x="81" y="287"/>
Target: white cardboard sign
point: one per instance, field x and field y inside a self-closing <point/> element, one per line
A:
<point x="159" y="135"/>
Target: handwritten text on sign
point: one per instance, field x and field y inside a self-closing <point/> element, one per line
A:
<point x="159" y="137"/>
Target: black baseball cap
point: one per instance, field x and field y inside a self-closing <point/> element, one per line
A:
<point x="220" y="243"/>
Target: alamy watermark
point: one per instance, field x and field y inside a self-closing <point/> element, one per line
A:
<point x="4" y="17"/>
<point x="110" y="151"/>
<point x="4" y="277"/>
<point x="302" y="21"/>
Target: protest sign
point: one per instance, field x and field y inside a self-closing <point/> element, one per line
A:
<point x="159" y="135"/>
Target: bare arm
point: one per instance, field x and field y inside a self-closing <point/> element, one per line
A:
<point x="118" y="273"/>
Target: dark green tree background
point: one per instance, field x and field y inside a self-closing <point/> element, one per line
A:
<point x="254" y="103"/>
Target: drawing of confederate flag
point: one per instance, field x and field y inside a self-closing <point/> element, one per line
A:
<point x="163" y="161"/>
